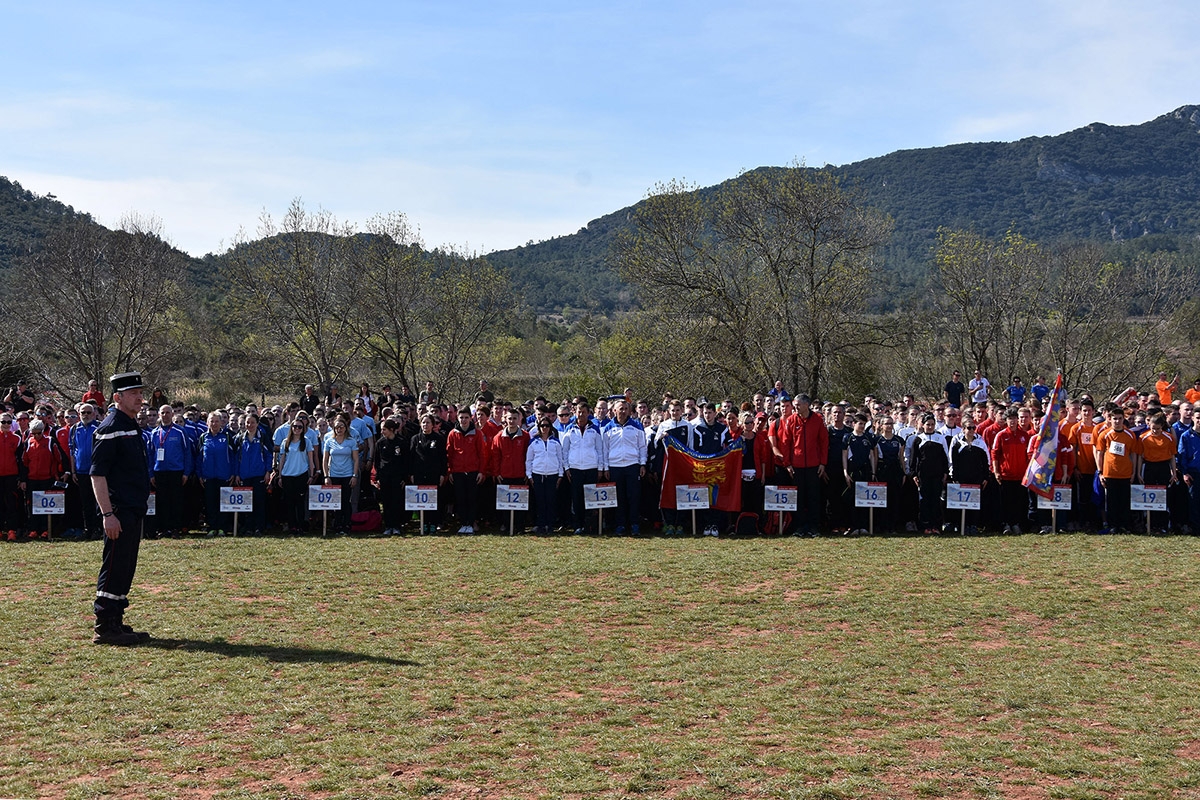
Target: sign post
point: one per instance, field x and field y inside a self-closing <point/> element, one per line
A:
<point x="780" y="499"/>
<point x="421" y="499"/>
<point x="237" y="499"/>
<point x="964" y="496"/>
<point x="691" y="497"/>
<point x="50" y="503"/>
<point x="512" y="498"/>
<point x="324" y="499"/>
<point x="870" y="495"/>
<point x="599" y="496"/>
<point x="1148" y="498"/>
<point x="1060" y="501"/>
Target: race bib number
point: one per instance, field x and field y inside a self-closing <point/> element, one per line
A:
<point x="420" y="498"/>
<point x="599" y="495"/>
<point x="238" y="499"/>
<point x="48" y="502"/>
<point x="512" y="498"/>
<point x="324" y="498"/>
<point x="691" y="497"/>
<point x="779" y="498"/>
<point x="1086" y="438"/>
<point x="870" y="495"/>
<point x="1116" y="448"/>
<point x="1060" y="500"/>
<point x="962" y="496"/>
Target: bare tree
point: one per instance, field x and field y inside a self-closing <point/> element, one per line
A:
<point x="297" y="285"/>
<point x="991" y="297"/>
<point x="93" y="301"/>
<point x="777" y="270"/>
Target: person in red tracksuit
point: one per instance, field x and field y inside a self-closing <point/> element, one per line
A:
<point x="805" y="446"/>
<point x="1010" y="459"/>
<point x="41" y="465"/>
<point x="507" y="462"/>
<point x="466" y="463"/>
<point x="485" y="501"/>
<point x="10" y="492"/>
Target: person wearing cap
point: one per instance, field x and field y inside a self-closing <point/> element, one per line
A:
<point x="121" y="484"/>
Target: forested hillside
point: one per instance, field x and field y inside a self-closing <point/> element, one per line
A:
<point x="1138" y="185"/>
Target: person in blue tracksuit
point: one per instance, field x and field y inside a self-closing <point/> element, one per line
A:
<point x="251" y="468"/>
<point x="215" y="470"/>
<point x="81" y="441"/>
<point x="173" y="464"/>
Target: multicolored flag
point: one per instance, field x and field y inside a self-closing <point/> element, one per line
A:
<point x="722" y="473"/>
<point x="1039" y="476"/>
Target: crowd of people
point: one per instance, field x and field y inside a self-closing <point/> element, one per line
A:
<point x="372" y="445"/>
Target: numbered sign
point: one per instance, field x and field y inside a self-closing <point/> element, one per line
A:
<point x="324" y="498"/>
<point x="48" y="502"/>
<point x="151" y="504"/>
<point x="780" y="498"/>
<point x="691" y="497"/>
<point x="512" y="498"/>
<point x="420" y="498"/>
<point x="599" y="495"/>
<point x="1061" y="501"/>
<point x="962" y="496"/>
<point x="1148" y="498"/>
<point x="870" y="495"/>
<point x="238" y="499"/>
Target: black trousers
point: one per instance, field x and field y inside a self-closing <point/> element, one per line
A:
<point x="466" y="493"/>
<point x="808" y="499"/>
<point x="169" y="500"/>
<point x="579" y="477"/>
<point x="117" y="566"/>
<point x="295" y="500"/>
<point x="391" y="500"/>
<point x="1116" y="503"/>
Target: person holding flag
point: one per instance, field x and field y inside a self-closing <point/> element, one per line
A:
<point x="1051" y="453"/>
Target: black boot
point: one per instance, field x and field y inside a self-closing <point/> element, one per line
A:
<point x="143" y="636"/>
<point x="110" y="631"/>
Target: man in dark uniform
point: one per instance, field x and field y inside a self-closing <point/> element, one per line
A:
<point x="121" y="481"/>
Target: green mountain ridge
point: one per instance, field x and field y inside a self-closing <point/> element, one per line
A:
<point x="1135" y="186"/>
<point x="1098" y="183"/>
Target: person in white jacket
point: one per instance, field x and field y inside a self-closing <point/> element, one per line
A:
<point x="625" y="455"/>
<point x="544" y="471"/>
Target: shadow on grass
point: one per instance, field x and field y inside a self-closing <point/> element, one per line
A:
<point x="273" y="652"/>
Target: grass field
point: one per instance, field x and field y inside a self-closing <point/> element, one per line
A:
<point x="1053" y="666"/>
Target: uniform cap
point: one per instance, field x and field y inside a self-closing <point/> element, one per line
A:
<point x="126" y="380"/>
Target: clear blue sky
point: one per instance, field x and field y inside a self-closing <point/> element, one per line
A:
<point x="492" y="124"/>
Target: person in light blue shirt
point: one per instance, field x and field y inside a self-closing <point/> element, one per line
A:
<point x="341" y="467"/>
<point x="294" y="468"/>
